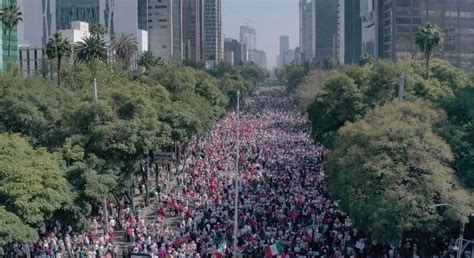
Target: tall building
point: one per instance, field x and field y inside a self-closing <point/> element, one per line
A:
<point x="284" y="47"/>
<point x="369" y="32"/>
<point x="400" y="20"/>
<point x="324" y="29"/>
<point x="9" y="41"/>
<point x="164" y="29"/>
<point x="213" y="43"/>
<point x="306" y="30"/>
<point x="349" y="31"/>
<point x="41" y="19"/>
<point x="248" y="36"/>
<point x="192" y="29"/>
<point x="239" y="50"/>
<point x="258" y="57"/>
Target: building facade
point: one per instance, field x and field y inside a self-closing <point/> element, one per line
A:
<point x="325" y="29"/>
<point x="284" y="47"/>
<point x="306" y="30"/>
<point x="238" y="49"/>
<point x="258" y="57"/>
<point x="370" y="25"/>
<point x="349" y="31"/>
<point x="248" y="36"/>
<point x="213" y="43"/>
<point x="164" y="29"/>
<point x="42" y="18"/>
<point x="9" y="41"/>
<point x="192" y="29"/>
<point x="401" y="19"/>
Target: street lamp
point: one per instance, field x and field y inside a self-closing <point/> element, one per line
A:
<point x="459" y="247"/>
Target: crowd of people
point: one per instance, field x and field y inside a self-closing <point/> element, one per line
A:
<point x="284" y="208"/>
<point x="283" y="200"/>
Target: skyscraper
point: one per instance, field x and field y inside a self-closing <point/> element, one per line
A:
<point x="306" y="30"/>
<point x="192" y="29"/>
<point x="284" y="47"/>
<point x="43" y="18"/>
<point x="248" y="36"/>
<point x="324" y="23"/>
<point x="400" y="20"/>
<point x="349" y="31"/>
<point x="213" y="44"/>
<point x="164" y="29"/>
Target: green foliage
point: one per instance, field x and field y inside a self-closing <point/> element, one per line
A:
<point x="58" y="47"/>
<point x="312" y="84"/>
<point x="32" y="185"/>
<point x="147" y="59"/>
<point x="427" y="39"/>
<point x="291" y="76"/>
<point x="124" y="46"/>
<point x="390" y="168"/>
<point x="12" y="229"/>
<point x="91" y="49"/>
<point x="340" y="100"/>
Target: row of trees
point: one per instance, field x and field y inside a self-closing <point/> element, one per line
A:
<point x="393" y="162"/>
<point x="61" y="153"/>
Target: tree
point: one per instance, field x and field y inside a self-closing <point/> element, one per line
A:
<point x="98" y="30"/>
<point x="291" y="76"/>
<point x="124" y="47"/>
<point x="58" y="47"/>
<point x="11" y="17"/>
<point x="91" y="49"/>
<point x="366" y="59"/>
<point x="390" y="168"/>
<point x="428" y="38"/>
<point x="32" y="185"/>
<point x="13" y="229"/>
<point x="147" y="59"/>
<point x="340" y="101"/>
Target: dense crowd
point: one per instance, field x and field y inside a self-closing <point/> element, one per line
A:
<point x="284" y="207"/>
<point x="283" y="201"/>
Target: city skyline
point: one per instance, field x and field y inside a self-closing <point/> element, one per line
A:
<point x="269" y="26"/>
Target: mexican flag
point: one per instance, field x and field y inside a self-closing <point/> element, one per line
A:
<point x="273" y="250"/>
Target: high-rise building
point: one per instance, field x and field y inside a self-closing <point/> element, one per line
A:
<point x="306" y="30"/>
<point x="192" y="29"/>
<point x="41" y="19"/>
<point x="349" y="31"/>
<point x="258" y="57"/>
<point x="368" y="13"/>
<point x="400" y="20"/>
<point x="324" y="29"/>
<point x="213" y="43"/>
<point x="284" y="47"/>
<point x="239" y="50"/>
<point x="9" y="41"/>
<point x="248" y="36"/>
<point x="164" y="29"/>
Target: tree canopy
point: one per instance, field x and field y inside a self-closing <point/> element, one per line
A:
<point x="390" y="168"/>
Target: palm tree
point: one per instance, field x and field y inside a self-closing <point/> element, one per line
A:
<point x="98" y="30"/>
<point x="91" y="49"/>
<point x="124" y="47"/>
<point x="147" y="59"/>
<point x="10" y="16"/>
<point x="58" y="47"/>
<point x="428" y="37"/>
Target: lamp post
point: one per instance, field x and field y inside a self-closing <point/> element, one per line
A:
<point x="460" y="247"/>
<point x="236" y="180"/>
<point x="104" y="202"/>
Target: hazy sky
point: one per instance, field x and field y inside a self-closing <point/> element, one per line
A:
<point x="271" y="18"/>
